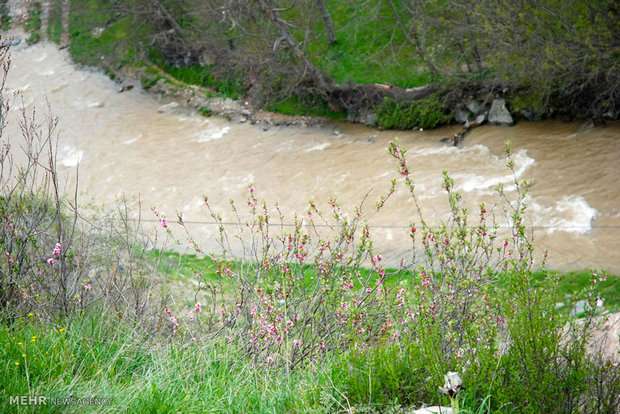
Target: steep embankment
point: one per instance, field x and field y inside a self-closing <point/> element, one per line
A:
<point x="371" y="65"/>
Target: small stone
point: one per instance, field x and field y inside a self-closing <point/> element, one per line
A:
<point x="167" y="107"/>
<point x="499" y="114"/>
<point x="580" y="307"/>
<point x="474" y="107"/>
<point x="480" y="119"/>
<point x="461" y="115"/>
<point x="97" y="32"/>
<point x="125" y="88"/>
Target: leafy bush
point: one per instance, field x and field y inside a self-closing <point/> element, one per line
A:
<point x="426" y="113"/>
<point x="54" y="264"/>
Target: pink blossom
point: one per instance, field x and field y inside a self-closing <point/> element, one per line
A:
<point x="87" y="286"/>
<point x="426" y="281"/>
<point x="51" y="261"/>
<point x="197" y="307"/>
<point x="163" y="223"/>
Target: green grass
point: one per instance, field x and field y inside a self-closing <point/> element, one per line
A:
<point x="94" y="356"/>
<point x="203" y="76"/>
<point x="370" y="47"/>
<point x="119" y="44"/>
<point x="573" y="286"/>
<point x="295" y="106"/>
<point x="54" y="25"/>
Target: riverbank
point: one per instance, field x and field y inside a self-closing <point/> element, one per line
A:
<point x="340" y="79"/>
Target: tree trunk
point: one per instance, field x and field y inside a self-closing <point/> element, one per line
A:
<point x="327" y="20"/>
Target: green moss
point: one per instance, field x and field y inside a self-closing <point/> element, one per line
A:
<point x="426" y="113"/>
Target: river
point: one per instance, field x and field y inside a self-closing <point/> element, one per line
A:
<point x="126" y="143"/>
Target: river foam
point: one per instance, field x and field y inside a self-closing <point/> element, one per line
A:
<point x="211" y="134"/>
<point x="571" y="214"/>
<point x="473" y="182"/>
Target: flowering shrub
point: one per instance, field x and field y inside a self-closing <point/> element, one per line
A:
<point x="54" y="262"/>
<point x="466" y="301"/>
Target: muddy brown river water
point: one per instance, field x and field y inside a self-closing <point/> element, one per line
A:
<point x="126" y="143"/>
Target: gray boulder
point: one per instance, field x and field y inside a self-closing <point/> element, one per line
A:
<point x="475" y="107"/>
<point x="481" y="118"/>
<point x="499" y="114"/>
<point x="461" y="115"/>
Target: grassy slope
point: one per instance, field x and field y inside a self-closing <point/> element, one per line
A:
<point x="118" y="45"/>
<point x="573" y="285"/>
<point x="360" y="54"/>
<point x="369" y="47"/>
<point x="92" y="356"/>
